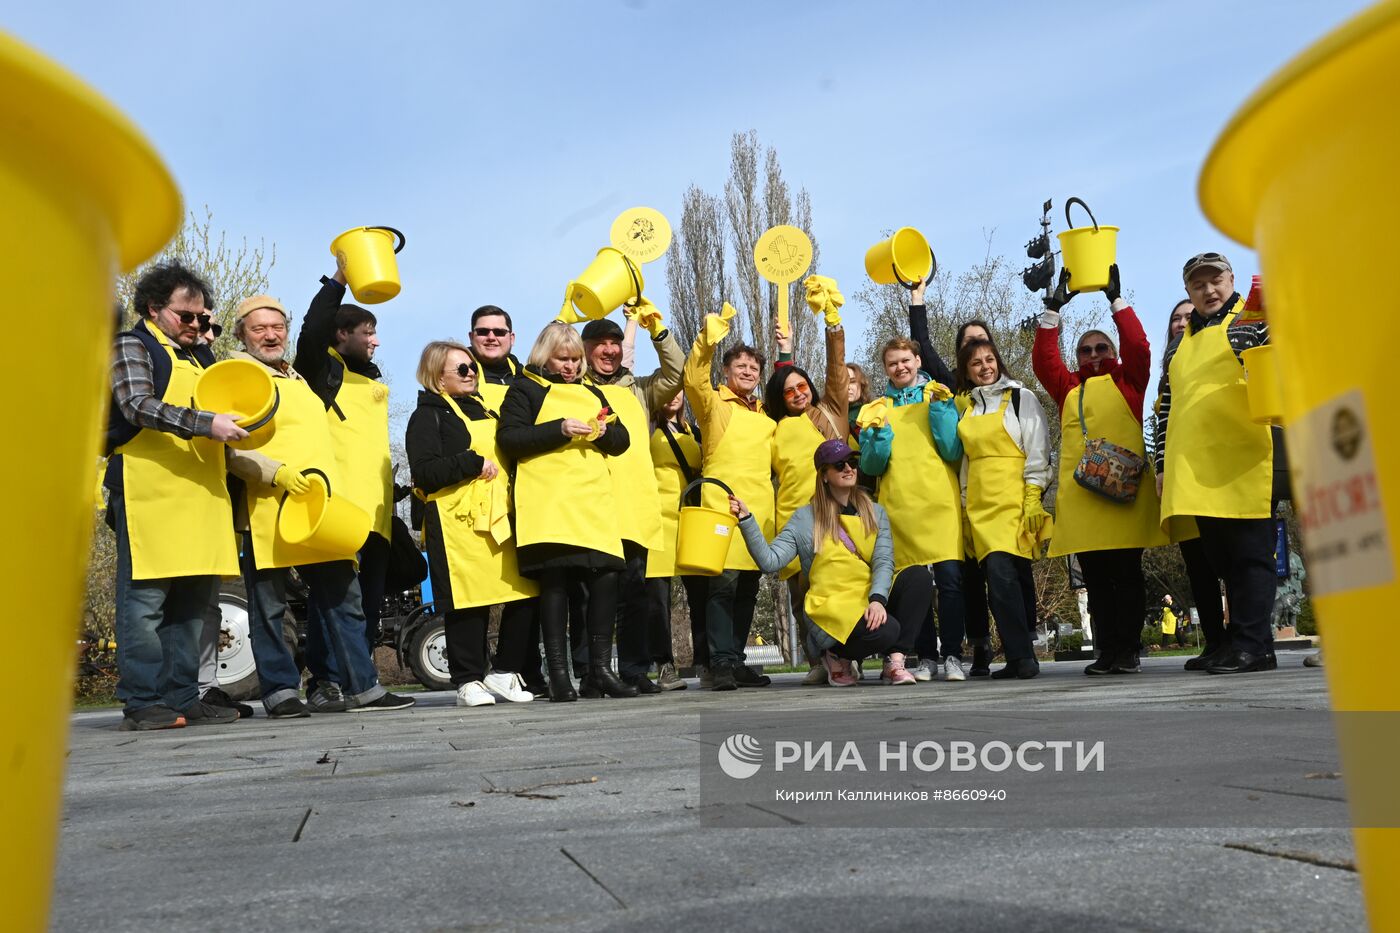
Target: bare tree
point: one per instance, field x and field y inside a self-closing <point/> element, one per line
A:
<point x="695" y="264"/>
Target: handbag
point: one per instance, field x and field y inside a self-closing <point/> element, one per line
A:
<point x="1106" y="468"/>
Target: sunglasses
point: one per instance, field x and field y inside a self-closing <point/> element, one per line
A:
<point x="491" y="332"/>
<point x="214" y="330"/>
<point x="1100" y="348"/>
<point x="850" y="463"/>
<point x="189" y="317"/>
<point x="465" y="369"/>
<point x="792" y="391"/>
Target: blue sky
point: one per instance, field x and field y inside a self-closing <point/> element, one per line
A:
<point x="503" y="138"/>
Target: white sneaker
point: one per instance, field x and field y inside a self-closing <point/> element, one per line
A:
<point x="474" y="694"/>
<point x="925" y="671"/>
<point x="857" y="669"/>
<point x="508" y="686"/>
<point x="952" y="669"/>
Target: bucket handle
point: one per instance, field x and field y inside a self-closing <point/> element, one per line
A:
<point x="398" y="233"/>
<point x="276" y="403"/>
<point x="308" y="471"/>
<point x="636" y="285"/>
<point x="933" y="270"/>
<point x="695" y="483"/>
<point x="1086" y="210"/>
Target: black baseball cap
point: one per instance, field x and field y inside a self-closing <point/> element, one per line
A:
<point x="601" y="330"/>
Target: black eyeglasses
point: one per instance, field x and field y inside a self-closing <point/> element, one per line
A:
<point x="491" y="331"/>
<point x="1100" y="348"/>
<point x="850" y="463"/>
<point x="214" y="330"/>
<point x="188" y="317"/>
<point x="466" y="369"/>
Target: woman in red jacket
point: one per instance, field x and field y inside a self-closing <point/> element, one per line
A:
<point x="1102" y="399"/>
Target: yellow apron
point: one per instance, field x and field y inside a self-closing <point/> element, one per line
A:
<point x="670" y="480"/>
<point x="743" y="461"/>
<point x="919" y="491"/>
<point x="362" y="446"/>
<point x="474" y="516"/>
<point x="302" y="440"/>
<point x="179" y="518"/>
<point x="566" y="496"/>
<point x="636" y="504"/>
<point x="996" y="468"/>
<point x="1087" y="521"/>
<point x="795" y="440"/>
<point x="840" y="589"/>
<point x="1219" y="463"/>
<point x="1168" y="622"/>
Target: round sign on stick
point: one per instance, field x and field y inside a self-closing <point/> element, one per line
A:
<point x="783" y="255"/>
<point x="641" y="233"/>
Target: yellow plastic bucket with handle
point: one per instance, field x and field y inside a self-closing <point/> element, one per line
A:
<point x="86" y="197"/>
<point x="1087" y="252"/>
<point x="320" y="520"/>
<point x="703" y="535"/>
<point x="243" y="388"/>
<point x="904" y="258"/>
<point x="1264" y="385"/>
<point x="611" y="280"/>
<point x="1318" y="205"/>
<point x="367" y="254"/>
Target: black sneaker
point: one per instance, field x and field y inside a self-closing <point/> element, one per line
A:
<point x="981" y="662"/>
<point x="1103" y="664"/>
<point x="326" y="698"/>
<point x="387" y="702"/>
<point x="207" y="714"/>
<point x="149" y="718"/>
<point x="744" y="676"/>
<point x="722" y="676"/>
<point x="1127" y="664"/>
<point x="290" y="708"/>
<point x="217" y="697"/>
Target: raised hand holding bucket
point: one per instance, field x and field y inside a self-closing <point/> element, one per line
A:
<point x="611" y="280"/>
<point x="904" y="258"/>
<point x="1087" y="252"/>
<point x="703" y="535"/>
<point x="366" y="254"/>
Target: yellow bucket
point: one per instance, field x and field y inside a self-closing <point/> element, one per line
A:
<point x="610" y="281"/>
<point x="1324" y="200"/>
<point x="245" y="388"/>
<point x="703" y="535"/>
<point x="1264" y="385"/>
<point x="1087" y="252"/>
<point x="94" y="199"/>
<point x="904" y="258"/>
<point x="322" y="521"/>
<point x="367" y="254"/>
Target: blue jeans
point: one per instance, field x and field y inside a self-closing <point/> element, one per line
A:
<point x="952" y="614"/>
<point x="278" y="676"/>
<point x="336" y="650"/>
<point x="157" y="625"/>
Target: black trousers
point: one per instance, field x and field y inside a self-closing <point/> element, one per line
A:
<point x="729" y="614"/>
<point x="909" y="599"/>
<point x="1205" y="592"/>
<point x="1117" y="598"/>
<point x="659" y="618"/>
<point x="974" y="590"/>
<point x="634" y="634"/>
<point x="1010" y="590"/>
<point x="517" y="643"/>
<point x="1241" y="552"/>
<point x="466" y="634"/>
<point x="374" y="566"/>
<point x="600" y="588"/>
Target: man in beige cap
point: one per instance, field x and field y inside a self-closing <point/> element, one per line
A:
<point x="299" y="447"/>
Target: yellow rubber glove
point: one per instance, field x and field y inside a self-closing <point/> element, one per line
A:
<point x="823" y="297"/>
<point x="649" y="316"/>
<point x="873" y="413"/>
<point x="717" y="325"/>
<point x="1033" y="514"/>
<point x="291" y="480"/>
<point x="936" y="392"/>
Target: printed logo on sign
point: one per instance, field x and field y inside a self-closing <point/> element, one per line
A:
<point x="1347" y="433"/>
<point x="740" y="756"/>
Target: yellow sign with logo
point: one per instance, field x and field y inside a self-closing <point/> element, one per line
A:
<point x="641" y="233"/>
<point x="783" y="254"/>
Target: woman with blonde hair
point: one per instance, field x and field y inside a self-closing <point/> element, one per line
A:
<point x="561" y="434"/>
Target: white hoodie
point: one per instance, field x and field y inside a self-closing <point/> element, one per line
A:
<point x="1029" y="429"/>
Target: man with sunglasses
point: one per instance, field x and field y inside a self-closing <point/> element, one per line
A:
<point x="168" y="503"/>
<point x="633" y="398"/>
<point x="492" y="340"/>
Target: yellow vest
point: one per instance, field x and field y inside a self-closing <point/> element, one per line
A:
<point x="179" y="518"/>
<point x="670" y="480"/>
<point x="475" y="535"/>
<point x="839" y="592"/>
<point x="361" y="434"/>
<point x="1087" y="521"/>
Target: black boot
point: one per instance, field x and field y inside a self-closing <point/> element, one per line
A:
<point x="981" y="658"/>
<point x="1021" y="669"/>
<point x="601" y="681"/>
<point x="1208" y="656"/>
<point x="561" y="688"/>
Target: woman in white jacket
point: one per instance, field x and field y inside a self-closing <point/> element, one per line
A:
<point x="1005" y="470"/>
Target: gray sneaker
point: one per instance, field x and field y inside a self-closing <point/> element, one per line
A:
<point x="326" y="698"/>
<point x="668" y="679"/>
<point x="707" y="676"/>
<point x="207" y="714"/>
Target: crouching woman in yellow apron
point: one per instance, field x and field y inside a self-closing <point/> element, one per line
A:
<point x="1006" y="467"/>
<point x="842" y="540"/>
<point x="560" y="434"/>
<point x="457" y="469"/>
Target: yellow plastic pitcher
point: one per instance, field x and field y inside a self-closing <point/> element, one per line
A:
<point x="367" y="255"/>
<point x="703" y="535"/>
<point x="86" y="197"/>
<point x="243" y="387"/>
<point x="611" y="280"/>
<point x="1087" y="252"/>
<point x="904" y="258"/>
<point x="1264" y="385"/>
<point x="322" y="521"/>
<point x="1318" y="205"/>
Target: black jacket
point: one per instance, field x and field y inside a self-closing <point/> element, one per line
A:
<point x="502" y="373"/>
<point x="439" y="444"/>
<point x="320" y="370"/>
<point x="519" y="436"/>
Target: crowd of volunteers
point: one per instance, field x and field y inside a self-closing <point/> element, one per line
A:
<point x="550" y="491"/>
